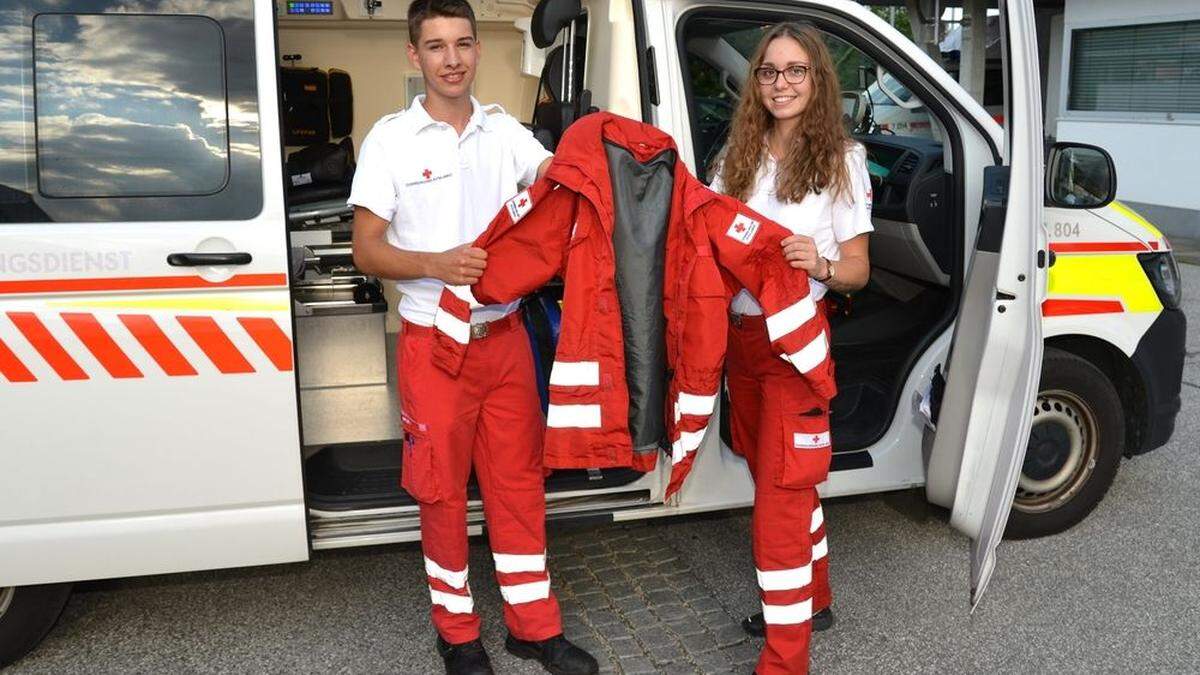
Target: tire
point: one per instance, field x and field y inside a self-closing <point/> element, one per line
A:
<point x="27" y="613"/>
<point x="1075" y="447"/>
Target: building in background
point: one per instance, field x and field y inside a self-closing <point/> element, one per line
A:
<point x="1124" y="76"/>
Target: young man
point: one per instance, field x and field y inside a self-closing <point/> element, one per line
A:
<point x="429" y="181"/>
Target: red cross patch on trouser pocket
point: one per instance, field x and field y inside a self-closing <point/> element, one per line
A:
<point x="807" y="449"/>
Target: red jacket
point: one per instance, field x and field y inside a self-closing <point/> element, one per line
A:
<point x="648" y="275"/>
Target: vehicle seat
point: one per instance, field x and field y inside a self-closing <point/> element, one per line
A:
<point x="890" y="311"/>
<point x="552" y="114"/>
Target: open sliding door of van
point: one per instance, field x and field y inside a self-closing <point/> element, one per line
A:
<point x="996" y="354"/>
<point x="148" y="413"/>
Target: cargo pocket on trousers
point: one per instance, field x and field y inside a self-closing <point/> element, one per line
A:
<point x="806" y="449"/>
<point x="418" y="471"/>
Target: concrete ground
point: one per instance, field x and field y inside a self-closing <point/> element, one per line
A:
<point x="1118" y="593"/>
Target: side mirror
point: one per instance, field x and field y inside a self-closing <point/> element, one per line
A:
<point x="865" y="73"/>
<point x="850" y="105"/>
<point x="854" y="110"/>
<point x="1079" y="176"/>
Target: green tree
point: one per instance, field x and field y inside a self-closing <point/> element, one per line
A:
<point x="901" y="18"/>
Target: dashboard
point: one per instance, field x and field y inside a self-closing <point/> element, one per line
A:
<point x="912" y="206"/>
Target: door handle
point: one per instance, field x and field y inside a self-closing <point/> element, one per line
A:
<point x="199" y="259"/>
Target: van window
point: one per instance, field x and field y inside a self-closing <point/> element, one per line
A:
<point x="101" y="137"/>
<point x="118" y="111"/>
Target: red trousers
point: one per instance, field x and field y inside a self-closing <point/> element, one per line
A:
<point x="782" y="429"/>
<point x="487" y="418"/>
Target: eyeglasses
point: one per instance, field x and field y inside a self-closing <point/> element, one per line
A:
<point x="792" y="74"/>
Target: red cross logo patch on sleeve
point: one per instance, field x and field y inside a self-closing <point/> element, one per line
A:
<point x="426" y="174"/>
<point x="743" y="228"/>
<point x="518" y="206"/>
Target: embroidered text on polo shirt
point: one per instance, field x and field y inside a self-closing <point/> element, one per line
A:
<point x="427" y="176"/>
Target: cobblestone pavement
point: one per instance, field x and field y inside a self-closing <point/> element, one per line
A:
<point x="627" y="595"/>
<point x="631" y="598"/>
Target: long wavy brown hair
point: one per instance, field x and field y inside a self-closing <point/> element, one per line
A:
<point x="815" y="157"/>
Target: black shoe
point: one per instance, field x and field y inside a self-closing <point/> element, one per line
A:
<point x="468" y="658"/>
<point x="557" y="655"/>
<point x="753" y="624"/>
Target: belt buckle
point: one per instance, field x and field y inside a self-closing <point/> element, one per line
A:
<point x="479" y="330"/>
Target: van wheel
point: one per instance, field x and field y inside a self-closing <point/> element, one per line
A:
<point x="27" y="613"/>
<point x="1075" y="446"/>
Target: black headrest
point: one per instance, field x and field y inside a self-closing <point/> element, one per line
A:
<point x="550" y="17"/>
<point x="553" y="69"/>
<point x="552" y="73"/>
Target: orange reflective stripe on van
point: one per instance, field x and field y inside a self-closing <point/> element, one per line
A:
<point x="205" y="332"/>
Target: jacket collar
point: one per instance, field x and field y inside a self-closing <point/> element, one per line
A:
<point x="580" y="162"/>
<point x="582" y="144"/>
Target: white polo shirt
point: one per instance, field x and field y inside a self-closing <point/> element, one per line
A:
<point x="440" y="190"/>
<point x="828" y="221"/>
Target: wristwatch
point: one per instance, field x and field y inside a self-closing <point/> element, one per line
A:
<point x="828" y="266"/>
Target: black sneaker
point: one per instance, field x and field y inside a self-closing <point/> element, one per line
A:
<point x="468" y="658"/>
<point x="753" y="624"/>
<point x="557" y="655"/>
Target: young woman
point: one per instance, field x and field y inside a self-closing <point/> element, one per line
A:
<point x="789" y="157"/>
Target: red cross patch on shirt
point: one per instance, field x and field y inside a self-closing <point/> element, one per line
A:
<point x="427" y="176"/>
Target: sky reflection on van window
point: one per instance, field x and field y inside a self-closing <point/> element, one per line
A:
<point x="130" y="105"/>
<point x="147" y="110"/>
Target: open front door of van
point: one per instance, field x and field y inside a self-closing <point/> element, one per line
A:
<point x="996" y="354"/>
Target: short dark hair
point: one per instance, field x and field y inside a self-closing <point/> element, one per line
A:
<point x="420" y="10"/>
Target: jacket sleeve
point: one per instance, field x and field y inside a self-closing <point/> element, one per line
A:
<point x="526" y="244"/>
<point x="746" y="245"/>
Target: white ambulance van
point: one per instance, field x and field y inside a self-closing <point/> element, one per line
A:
<point x="194" y="376"/>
